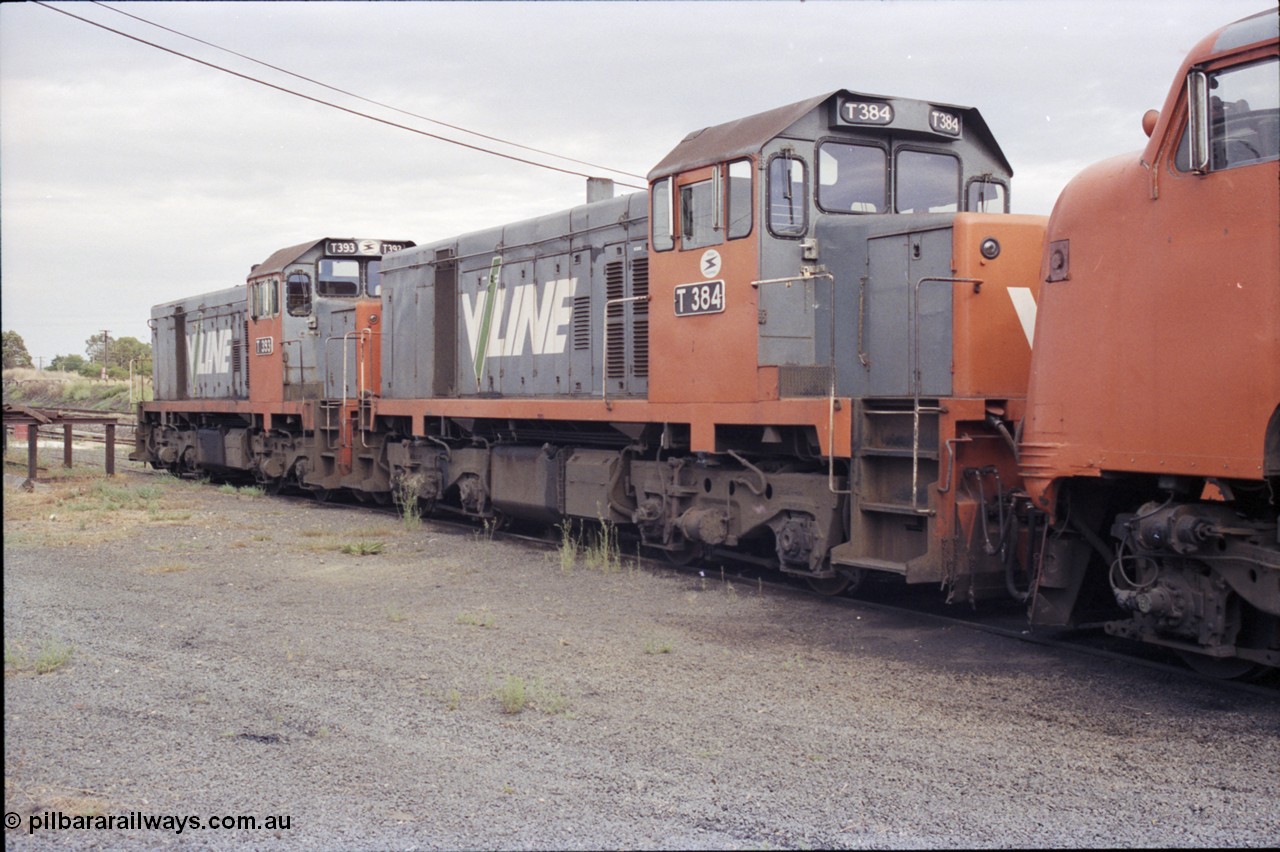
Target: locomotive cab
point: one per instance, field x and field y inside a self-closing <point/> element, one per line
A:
<point x="747" y="215"/>
<point x="314" y="310"/>
<point x="243" y="373"/>
<point x="864" y="244"/>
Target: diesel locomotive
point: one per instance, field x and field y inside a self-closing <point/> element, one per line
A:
<point x="811" y="338"/>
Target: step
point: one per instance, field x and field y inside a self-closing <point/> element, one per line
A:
<point x="896" y="509"/>
<point x="895" y="453"/>
<point x="845" y="555"/>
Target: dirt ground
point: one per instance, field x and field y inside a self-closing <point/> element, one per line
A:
<point x="177" y="653"/>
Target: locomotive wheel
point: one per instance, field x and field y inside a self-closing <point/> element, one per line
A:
<point x="839" y="584"/>
<point x="322" y="495"/>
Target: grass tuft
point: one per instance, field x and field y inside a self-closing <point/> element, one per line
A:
<point x="659" y="646"/>
<point x="363" y="548"/>
<point x="52" y="655"/>
<point x="406" y="497"/>
<point x="512" y="695"/>
<point x="483" y="618"/>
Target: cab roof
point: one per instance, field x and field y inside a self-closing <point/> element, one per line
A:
<point x="746" y="136"/>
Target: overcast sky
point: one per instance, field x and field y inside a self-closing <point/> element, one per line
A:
<point x="131" y="176"/>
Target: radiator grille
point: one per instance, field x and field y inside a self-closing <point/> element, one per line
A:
<point x="806" y="380"/>
<point x="640" y="315"/>
<point x="582" y="322"/>
<point x="615" y="285"/>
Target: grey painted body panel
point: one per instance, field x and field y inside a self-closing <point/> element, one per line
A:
<point x="197" y="347"/>
<point x="540" y="288"/>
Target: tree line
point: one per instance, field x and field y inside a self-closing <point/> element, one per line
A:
<point x="101" y="352"/>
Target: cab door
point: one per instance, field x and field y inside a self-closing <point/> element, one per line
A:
<point x="262" y="340"/>
<point x="704" y="306"/>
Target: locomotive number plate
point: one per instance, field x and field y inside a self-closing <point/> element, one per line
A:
<point x="704" y="298"/>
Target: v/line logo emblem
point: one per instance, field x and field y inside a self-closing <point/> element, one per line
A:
<point x="209" y="351"/>
<point x="527" y="319"/>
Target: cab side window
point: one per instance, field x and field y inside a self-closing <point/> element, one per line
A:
<point x="739" y="199"/>
<point x="298" y="294"/>
<point x="986" y="196"/>
<point x="663" y="238"/>
<point x="265" y="298"/>
<point x="699" y="219"/>
<point x="788" y="198"/>
<point x="1235" y="117"/>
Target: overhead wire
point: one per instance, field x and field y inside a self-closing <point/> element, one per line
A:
<point x="359" y="97"/>
<point x="330" y="104"/>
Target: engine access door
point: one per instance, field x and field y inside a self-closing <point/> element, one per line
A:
<point x="905" y="324"/>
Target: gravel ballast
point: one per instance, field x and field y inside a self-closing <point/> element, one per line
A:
<point x="228" y="654"/>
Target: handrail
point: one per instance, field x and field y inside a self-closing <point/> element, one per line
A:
<point x="810" y="273"/>
<point x="916" y="378"/>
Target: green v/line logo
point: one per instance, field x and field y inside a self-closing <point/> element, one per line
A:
<point x="482" y="347"/>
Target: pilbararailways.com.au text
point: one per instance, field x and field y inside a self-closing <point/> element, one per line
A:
<point x="137" y="821"/>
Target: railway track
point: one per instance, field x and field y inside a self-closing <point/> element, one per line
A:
<point x="887" y="595"/>
<point x="880" y="595"/>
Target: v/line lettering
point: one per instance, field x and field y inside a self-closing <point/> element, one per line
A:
<point x="209" y="351"/>
<point x="526" y="319"/>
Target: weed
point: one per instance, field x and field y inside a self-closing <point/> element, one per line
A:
<point x="659" y="646"/>
<point x="52" y="655"/>
<point x="569" y="546"/>
<point x="601" y="550"/>
<point x="512" y="695"/>
<point x="363" y="548"/>
<point x="547" y="700"/>
<point x="406" y="497"/>
<point x="13" y="656"/>
<point x="453" y="699"/>
<point x="241" y="490"/>
<point x="480" y="619"/>
<point x="162" y="517"/>
<point x="395" y="614"/>
<point x="488" y="529"/>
